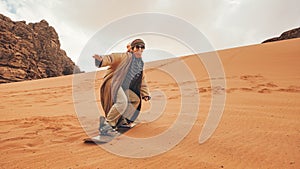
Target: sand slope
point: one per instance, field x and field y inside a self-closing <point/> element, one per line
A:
<point x="260" y="127"/>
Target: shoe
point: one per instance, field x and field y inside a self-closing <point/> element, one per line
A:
<point x="124" y="123"/>
<point x="102" y="122"/>
<point x="128" y="125"/>
<point x="105" y="129"/>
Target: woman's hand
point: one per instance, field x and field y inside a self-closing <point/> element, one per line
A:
<point x="97" y="57"/>
<point x="146" y="98"/>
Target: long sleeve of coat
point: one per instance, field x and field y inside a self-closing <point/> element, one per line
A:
<point x="111" y="60"/>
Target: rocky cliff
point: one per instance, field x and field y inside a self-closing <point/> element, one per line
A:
<point x="31" y="51"/>
<point x="294" y="33"/>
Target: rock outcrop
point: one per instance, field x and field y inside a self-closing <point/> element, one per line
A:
<point x="294" y="33"/>
<point x="31" y="51"/>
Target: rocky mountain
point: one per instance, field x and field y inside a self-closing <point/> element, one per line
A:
<point x="31" y="51"/>
<point x="294" y="33"/>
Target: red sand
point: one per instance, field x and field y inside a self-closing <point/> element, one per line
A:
<point x="260" y="127"/>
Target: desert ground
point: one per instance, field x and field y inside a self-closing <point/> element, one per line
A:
<point x="41" y="126"/>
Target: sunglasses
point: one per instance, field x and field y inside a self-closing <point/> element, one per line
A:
<point x="140" y="46"/>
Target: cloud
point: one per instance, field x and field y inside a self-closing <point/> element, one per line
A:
<point x="249" y="22"/>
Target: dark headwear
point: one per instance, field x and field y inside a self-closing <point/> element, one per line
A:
<point x="137" y="42"/>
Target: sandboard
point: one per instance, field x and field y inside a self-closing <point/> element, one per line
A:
<point x="103" y="139"/>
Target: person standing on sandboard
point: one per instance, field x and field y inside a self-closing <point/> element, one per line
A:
<point x="123" y="88"/>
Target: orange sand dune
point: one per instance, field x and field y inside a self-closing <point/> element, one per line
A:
<point x="260" y="126"/>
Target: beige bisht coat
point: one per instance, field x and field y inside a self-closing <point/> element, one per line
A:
<point x="119" y="64"/>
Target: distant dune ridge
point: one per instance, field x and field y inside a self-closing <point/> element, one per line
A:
<point x="31" y="51"/>
<point x="290" y="34"/>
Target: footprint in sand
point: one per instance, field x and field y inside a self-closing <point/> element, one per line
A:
<point x="252" y="78"/>
<point x="264" y="90"/>
<point x="290" y="89"/>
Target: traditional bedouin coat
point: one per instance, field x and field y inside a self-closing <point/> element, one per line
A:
<point x="119" y="64"/>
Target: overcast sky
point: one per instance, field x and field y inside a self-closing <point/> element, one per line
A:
<point x="225" y="23"/>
